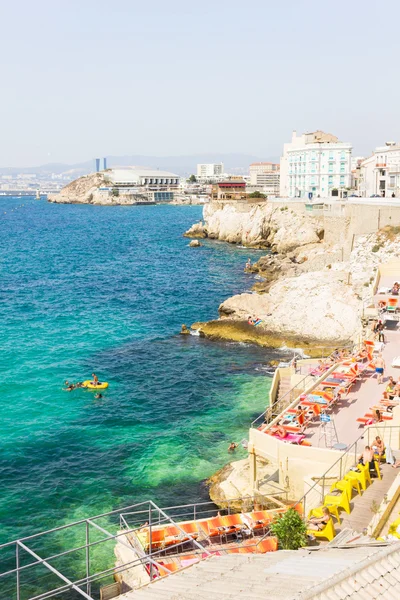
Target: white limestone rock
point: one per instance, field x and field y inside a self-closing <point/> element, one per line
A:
<point x="264" y="224"/>
<point x="317" y="306"/>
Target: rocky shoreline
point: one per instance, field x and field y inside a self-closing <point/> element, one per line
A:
<point x="309" y="292"/>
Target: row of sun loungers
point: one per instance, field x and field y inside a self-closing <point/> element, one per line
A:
<point x="323" y="398"/>
<point x="164" y="568"/>
<point x="215" y="529"/>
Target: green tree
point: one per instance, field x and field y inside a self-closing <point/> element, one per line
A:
<point x="115" y="191"/>
<point x="290" y="530"/>
<point x="257" y="194"/>
<point x="192" y="179"/>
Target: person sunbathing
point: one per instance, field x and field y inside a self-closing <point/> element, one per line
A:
<point x="281" y="432"/>
<point x="390" y="388"/>
<point x="376" y="417"/>
<point x="319" y="523"/>
<point x="378" y="447"/>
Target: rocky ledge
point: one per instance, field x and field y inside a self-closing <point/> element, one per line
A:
<point x="307" y="293"/>
<point x="86" y="190"/>
<point x="264" y="225"/>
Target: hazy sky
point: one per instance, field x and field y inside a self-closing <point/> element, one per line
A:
<point x="91" y="78"/>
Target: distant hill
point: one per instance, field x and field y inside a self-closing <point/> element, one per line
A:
<point x="181" y="165"/>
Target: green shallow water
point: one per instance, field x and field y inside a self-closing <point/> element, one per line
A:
<point x="106" y="289"/>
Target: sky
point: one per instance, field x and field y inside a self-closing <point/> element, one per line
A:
<point x="92" y="78"/>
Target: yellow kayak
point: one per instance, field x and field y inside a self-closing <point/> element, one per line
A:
<point x="90" y="385"/>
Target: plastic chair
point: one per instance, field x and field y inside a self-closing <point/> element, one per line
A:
<point x="344" y="485"/>
<point x="355" y="484"/>
<point x="361" y="476"/>
<point x="377" y="469"/>
<point x="268" y="545"/>
<point x="365" y="468"/>
<point x="327" y="532"/>
<point x="336" y="502"/>
<point x="234" y="520"/>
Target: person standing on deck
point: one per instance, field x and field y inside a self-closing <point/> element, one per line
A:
<point x="380" y="367"/>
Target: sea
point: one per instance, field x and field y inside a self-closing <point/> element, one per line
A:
<point x="93" y="289"/>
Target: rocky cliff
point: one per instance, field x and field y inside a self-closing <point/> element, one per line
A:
<point x="307" y="292"/>
<point x="282" y="228"/>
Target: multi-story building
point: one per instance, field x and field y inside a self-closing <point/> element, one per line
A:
<point x="158" y="186"/>
<point x="265" y="175"/>
<point x="210" y="171"/>
<point x="315" y="163"/>
<point x="380" y="173"/>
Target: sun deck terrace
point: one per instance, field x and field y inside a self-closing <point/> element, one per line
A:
<point x="325" y="420"/>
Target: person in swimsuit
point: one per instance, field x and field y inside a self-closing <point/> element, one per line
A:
<point x="318" y="523"/>
<point x="232" y="447"/>
<point x="367" y="458"/>
<point x="378" y="447"/>
<point x="95" y="379"/>
<point x="281" y="432"/>
<point x="380" y="368"/>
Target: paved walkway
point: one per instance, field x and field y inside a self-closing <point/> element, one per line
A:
<point x="362" y="397"/>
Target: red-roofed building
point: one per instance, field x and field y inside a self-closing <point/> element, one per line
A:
<point x="230" y="189"/>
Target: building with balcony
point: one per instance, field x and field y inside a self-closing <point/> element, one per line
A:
<point x="315" y="163"/>
<point x="380" y="173"/>
<point x="155" y="185"/>
<point x="265" y="177"/>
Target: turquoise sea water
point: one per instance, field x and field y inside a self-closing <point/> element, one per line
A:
<point x="104" y="289"/>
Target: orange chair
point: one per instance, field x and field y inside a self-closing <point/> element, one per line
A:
<point x="191" y="528"/>
<point x="157" y="538"/>
<point x="248" y="550"/>
<point x="234" y="520"/>
<point x="270" y="544"/>
<point x="392" y="305"/>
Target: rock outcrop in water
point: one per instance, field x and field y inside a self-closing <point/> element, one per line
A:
<point x="86" y="190"/>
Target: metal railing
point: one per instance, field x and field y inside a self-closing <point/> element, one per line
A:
<point x="127" y="524"/>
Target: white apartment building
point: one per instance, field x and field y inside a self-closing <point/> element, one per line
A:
<point x="380" y="173"/>
<point x="210" y="171"/>
<point x="315" y="163"/>
<point x="265" y="175"/>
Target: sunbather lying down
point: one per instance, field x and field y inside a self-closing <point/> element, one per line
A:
<point x="254" y="321"/>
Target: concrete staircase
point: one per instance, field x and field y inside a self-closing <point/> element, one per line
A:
<point x="283" y="388"/>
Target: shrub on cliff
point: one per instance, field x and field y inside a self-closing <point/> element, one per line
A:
<point x="290" y="530"/>
<point x="257" y="195"/>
